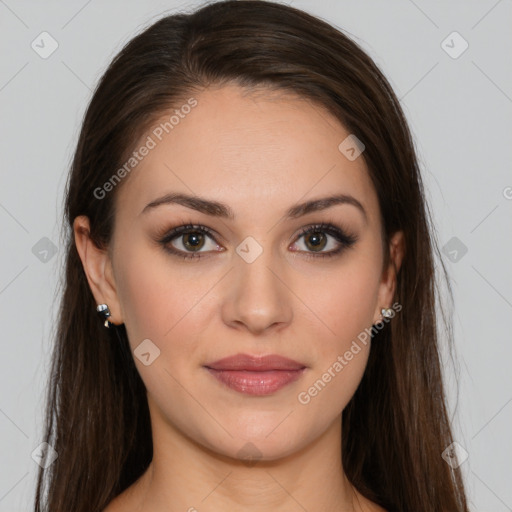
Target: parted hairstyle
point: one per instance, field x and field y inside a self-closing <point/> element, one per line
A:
<point x="396" y="426"/>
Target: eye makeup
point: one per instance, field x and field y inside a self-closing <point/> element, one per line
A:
<point x="195" y="235"/>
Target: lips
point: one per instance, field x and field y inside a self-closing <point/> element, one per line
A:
<point x="255" y="363"/>
<point x="256" y="375"/>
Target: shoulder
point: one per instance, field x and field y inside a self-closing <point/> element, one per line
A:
<point x="114" y="506"/>
<point x="131" y="499"/>
<point x="124" y="502"/>
<point x="367" y="505"/>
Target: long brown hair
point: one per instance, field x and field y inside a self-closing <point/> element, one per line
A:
<point x="396" y="426"/>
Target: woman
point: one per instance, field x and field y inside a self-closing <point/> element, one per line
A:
<point x="246" y="214"/>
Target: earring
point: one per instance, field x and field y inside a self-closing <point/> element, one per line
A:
<point x="387" y="312"/>
<point x="105" y="312"/>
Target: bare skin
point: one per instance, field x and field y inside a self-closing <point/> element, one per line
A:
<point x="260" y="154"/>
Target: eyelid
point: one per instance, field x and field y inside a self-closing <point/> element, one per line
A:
<point x="344" y="237"/>
<point x="182" y="229"/>
<point x="331" y="229"/>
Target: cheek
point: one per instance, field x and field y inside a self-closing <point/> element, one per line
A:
<point x="161" y="303"/>
<point x="146" y="302"/>
<point x="343" y="303"/>
<point x="170" y="303"/>
<point x="332" y="385"/>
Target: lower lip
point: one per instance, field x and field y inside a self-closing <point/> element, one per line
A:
<point x="256" y="383"/>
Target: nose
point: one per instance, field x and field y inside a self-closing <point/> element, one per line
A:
<point x="258" y="296"/>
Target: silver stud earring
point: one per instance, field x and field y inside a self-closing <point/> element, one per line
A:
<point x="105" y="312"/>
<point x="387" y="312"/>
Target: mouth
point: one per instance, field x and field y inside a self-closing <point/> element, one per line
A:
<point x="254" y="375"/>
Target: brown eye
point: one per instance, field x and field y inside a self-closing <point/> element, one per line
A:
<point x="317" y="238"/>
<point x="316" y="241"/>
<point x="188" y="241"/>
<point x="193" y="241"/>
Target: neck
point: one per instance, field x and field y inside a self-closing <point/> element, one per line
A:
<point x="185" y="476"/>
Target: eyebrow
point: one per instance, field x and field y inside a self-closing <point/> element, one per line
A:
<point x="218" y="209"/>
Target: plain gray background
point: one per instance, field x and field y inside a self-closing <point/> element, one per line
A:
<point x="459" y="106"/>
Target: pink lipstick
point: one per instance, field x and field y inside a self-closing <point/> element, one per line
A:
<point x="256" y="375"/>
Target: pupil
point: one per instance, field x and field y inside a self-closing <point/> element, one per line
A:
<point x="192" y="240"/>
<point x="318" y="240"/>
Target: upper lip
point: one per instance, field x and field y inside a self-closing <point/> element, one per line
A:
<point x="249" y="362"/>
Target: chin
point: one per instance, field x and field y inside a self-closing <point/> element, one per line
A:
<point x="262" y="441"/>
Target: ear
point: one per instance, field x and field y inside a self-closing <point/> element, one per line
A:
<point x="387" y="286"/>
<point x="98" y="269"/>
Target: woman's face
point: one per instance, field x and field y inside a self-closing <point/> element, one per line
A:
<point x="252" y="284"/>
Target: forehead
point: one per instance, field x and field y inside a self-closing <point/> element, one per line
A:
<point x="247" y="149"/>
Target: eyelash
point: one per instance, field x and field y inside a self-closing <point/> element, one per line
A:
<point x="346" y="240"/>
